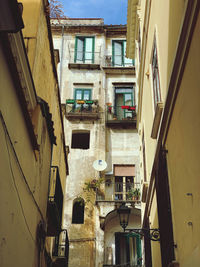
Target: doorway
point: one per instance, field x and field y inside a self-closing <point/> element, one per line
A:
<point x="128" y="249"/>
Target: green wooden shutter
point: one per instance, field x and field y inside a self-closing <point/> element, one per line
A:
<point x="93" y="49"/>
<point x="113" y="54"/>
<point x="75" y="51"/>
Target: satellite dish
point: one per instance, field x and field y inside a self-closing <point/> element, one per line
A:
<point x="99" y="165"/>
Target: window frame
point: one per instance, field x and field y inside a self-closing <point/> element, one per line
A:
<point x="124" y="93"/>
<point x="155" y="75"/>
<point x="122" y="42"/>
<point x="84" y="46"/>
<point x="82" y="93"/>
<point x="123" y="186"/>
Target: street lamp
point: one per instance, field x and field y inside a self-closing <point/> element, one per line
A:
<point x="124" y="212"/>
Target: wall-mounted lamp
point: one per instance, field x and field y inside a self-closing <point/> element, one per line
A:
<point x="124" y="212"/>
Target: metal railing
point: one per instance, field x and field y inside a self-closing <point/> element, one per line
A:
<point x="119" y="192"/>
<point x="61" y="249"/>
<point x="121" y="113"/>
<point x="88" y="109"/>
<point x="81" y="57"/>
<point x="117" y="61"/>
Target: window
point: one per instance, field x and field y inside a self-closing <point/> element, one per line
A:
<point x="139" y="44"/>
<point x="78" y="211"/>
<point x="84" y="50"/>
<point x="124" y="97"/>
<point x="80" y="140"/>
<point x="82" y="94"/>
<point x="124" y="181"/>
<point x="144" y="158"/>
<point x="155" y="74"/>
<point x="119" y="52"/>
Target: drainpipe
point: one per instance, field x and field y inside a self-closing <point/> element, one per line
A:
<point x="61" y="61"/>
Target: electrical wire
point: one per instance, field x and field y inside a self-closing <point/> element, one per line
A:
<point x="8" y="139"/>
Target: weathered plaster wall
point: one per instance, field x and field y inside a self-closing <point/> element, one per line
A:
<point x="24" y="178"/>
<point x="106" y="144"/>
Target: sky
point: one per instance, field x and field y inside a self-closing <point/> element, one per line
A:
<point x="112" y="11"/>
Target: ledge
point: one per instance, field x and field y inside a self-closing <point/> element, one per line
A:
<point x="157" y="119"/>
<point x="86" y="66"/>
<point x="119" y="70"/>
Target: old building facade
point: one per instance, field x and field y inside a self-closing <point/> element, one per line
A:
<point x="98" y="95"/>
<point x="162" y="37"/>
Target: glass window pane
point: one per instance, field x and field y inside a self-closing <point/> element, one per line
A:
<point x="79" y="52"/>
<point x="79" y="94"/>
<point x="123" y="90"/>
<point x="118" y="53"/>
<point x="128" y="99"/>
<point x="86" y="95"/>
<point x="88" y="49"/>
<point x="127" y="61"/>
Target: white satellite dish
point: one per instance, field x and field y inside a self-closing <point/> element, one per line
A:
<point x="99" y="165"/>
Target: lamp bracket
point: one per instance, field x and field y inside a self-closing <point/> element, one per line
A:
<point x="152" y="234"/>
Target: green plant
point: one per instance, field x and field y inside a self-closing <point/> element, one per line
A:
<point x="133" y="193"/>
<point x="91" y="187"/>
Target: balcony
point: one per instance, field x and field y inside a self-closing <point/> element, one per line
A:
<point x="118" y="192"/>
<point x="89" y="60"/>
<point x="121" y="116"/>
<point x="55" y="203"/>
<point x="122" y="67"/>
<point x="82" y="109"/>
<point x="60" y="251"/>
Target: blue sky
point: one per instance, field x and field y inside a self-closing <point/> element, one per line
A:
<point x="112" y="11"/>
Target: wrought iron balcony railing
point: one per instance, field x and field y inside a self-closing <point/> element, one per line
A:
<point x="118" y="61"/>
<point x="119" y="192"/>
<point x="121" y="114"/>
<point x="84" y="59"/>
<point x="55" y="203"/>
<point x="82" y="109"/>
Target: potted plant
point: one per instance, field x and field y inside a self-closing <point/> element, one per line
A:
<point x="133" y="194"/>
<point x="136" y="195"/>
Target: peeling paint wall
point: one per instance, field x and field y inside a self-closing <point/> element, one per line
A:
<point x="115" y="146"/>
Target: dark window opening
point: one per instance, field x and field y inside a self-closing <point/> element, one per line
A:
<point x="78" y="212"/>
<point x="81" y="140"/>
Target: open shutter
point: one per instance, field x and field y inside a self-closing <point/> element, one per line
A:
<point x="88" y="50"/>
<point x="79" y="50"/>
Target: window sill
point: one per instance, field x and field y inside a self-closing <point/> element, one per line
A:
<point x="157" y="119"/>
<point x="89" y="66"/>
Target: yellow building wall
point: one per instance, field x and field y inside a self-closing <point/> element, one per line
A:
<point x="183" y="144"/>
<point x="165" y="22"/>
<point x="24" y="178"/>
<point x="45" y="79"/>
